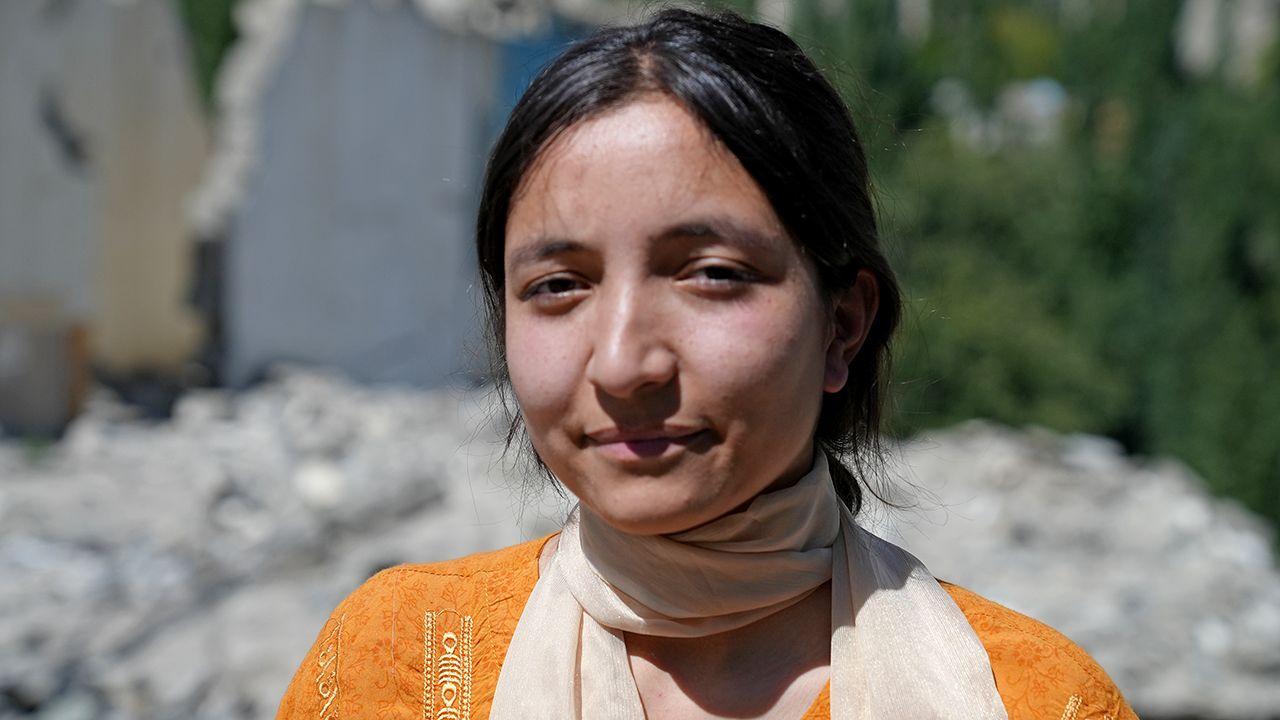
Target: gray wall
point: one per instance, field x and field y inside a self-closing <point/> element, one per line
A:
<point x="101" y="140"/>
<point x="47" y="190"/>
<point x="353" y="246"/>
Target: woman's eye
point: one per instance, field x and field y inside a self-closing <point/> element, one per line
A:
<point x="551" y="287"/>
<point x="724" y="275"/>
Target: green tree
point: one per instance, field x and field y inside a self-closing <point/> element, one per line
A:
<point x="1124" y="280"/>
<point x="210" y="31"/>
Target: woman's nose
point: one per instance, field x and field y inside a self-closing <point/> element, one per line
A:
<point x="629" y="350"/>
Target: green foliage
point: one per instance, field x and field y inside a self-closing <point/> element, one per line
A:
<point x="998" y="290"/>
<point x="1123" y="279"/>
<point x="210" y="33"/>
<point x="1024" y="41"/>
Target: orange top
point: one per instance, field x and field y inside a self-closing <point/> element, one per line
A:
<point x="427" y="641"/>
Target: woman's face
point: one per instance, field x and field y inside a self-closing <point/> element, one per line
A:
<point x="666" y="341"/>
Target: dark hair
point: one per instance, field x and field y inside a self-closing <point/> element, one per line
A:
<point x="765" y="101"/>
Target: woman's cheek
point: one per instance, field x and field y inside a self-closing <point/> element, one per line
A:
<point x="542" y="369"/>
<point x="765" y="343"/>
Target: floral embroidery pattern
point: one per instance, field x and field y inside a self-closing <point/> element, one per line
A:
<point x="446" y="666"/>
<point x="1073" y="707"/>
<point x="327" y="677"/>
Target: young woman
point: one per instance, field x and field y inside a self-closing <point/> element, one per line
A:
<point x="690" y="307"/>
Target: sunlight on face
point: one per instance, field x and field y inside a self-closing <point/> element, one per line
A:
<point x="665" y="338"/>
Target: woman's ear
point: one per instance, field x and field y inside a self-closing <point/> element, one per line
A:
<point x="855" y="309"/>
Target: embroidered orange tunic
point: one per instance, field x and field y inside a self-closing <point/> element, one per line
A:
<point x="426" y="642"/>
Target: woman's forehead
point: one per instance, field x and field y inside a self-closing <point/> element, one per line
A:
<point x="648" y="163"/>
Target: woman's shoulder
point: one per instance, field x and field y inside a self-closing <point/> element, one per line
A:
<point x="461" y="585"/>
<point x="409" y="632"/>
<point x="1039" y="672"/>
<point x="510" y="567"/>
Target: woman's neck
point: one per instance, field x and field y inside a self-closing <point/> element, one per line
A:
<point x="774" y="667"/>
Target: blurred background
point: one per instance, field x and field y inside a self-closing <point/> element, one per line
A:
<point x="241" y="362"/>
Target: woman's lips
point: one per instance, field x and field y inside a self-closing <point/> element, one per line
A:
<point x="644" y="449"/>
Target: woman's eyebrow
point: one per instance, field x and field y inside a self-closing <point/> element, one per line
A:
<point x="746" y="237"/>
<point x="543" y="248"/>
<point x="724" y="228"/>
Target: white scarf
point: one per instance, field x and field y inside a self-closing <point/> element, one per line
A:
<point x="900" y="647"/>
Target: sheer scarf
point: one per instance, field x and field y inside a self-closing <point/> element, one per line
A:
<point x="900" y="647"/>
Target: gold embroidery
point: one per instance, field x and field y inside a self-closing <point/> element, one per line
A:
<point x="446" y="666"/>
<point x="428" y="665"/>
<point x="1073" y="707"/>
<point x="327" y="677"/>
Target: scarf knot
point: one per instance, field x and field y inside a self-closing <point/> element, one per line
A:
<point x="900" y="647"/>
<point x="716" y="577"/>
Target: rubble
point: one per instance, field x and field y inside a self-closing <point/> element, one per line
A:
<point x="1176" y="594"/>
<point x="181" y="569"/>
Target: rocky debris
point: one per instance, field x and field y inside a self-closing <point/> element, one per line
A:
<point x="181" y="569"/>
<point x="1176" y="594"/>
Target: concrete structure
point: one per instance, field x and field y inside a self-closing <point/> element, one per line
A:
<point x="342" y="192"/>
<point x="101" y="140"/>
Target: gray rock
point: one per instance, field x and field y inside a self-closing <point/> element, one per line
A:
<point x="1174" y="592"/>
<point x="182" y="569"/>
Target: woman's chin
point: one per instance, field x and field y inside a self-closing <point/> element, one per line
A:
<point x="649" y="524"/>
<point x="664" y="512"/>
